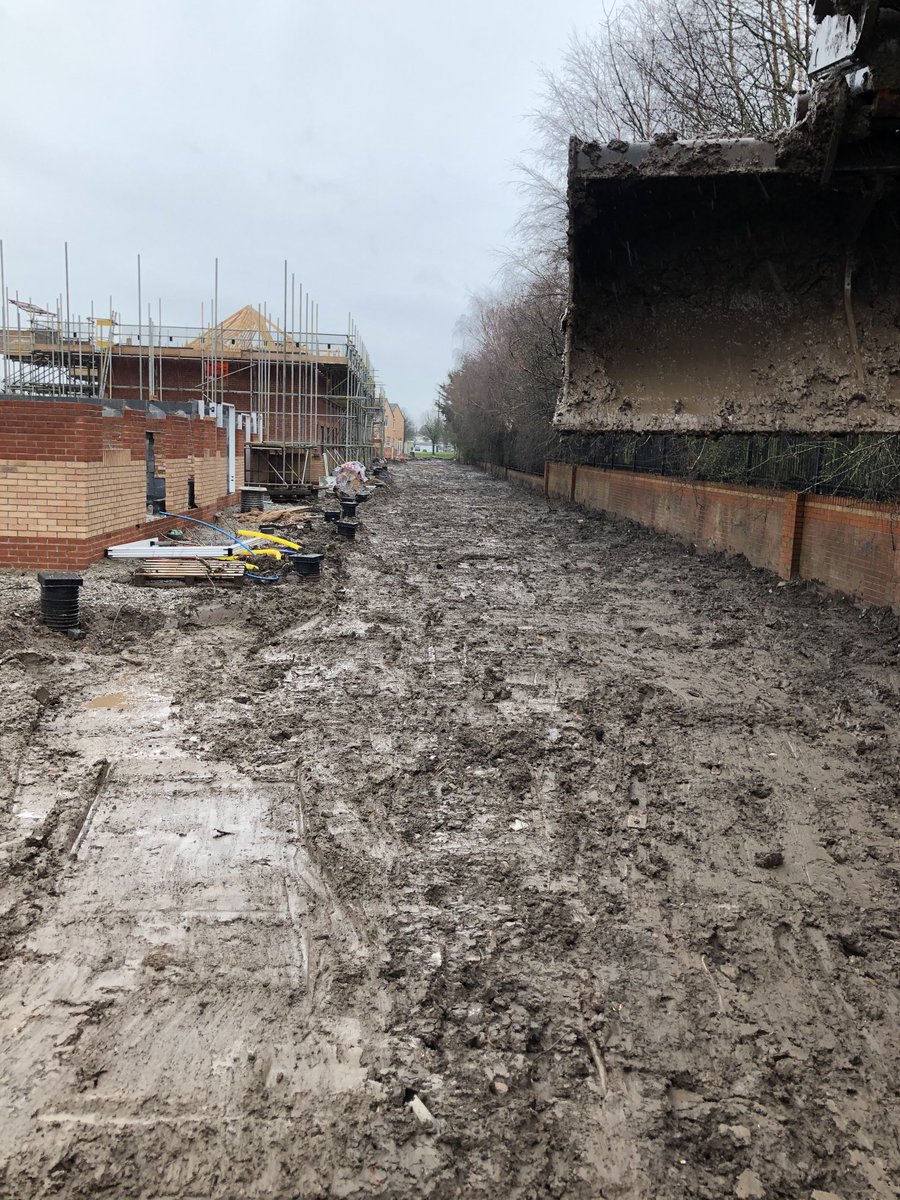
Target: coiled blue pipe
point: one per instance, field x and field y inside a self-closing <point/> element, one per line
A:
<point x="231" y="537"/>
<point x="206" y="524"/>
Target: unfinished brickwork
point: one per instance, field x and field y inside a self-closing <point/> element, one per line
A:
<point x="73" y="477"/>
<point x="850" y="546"/>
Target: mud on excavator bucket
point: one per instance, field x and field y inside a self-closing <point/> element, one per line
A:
<point x="750" y="285"/>
<point x="723" y="287"/>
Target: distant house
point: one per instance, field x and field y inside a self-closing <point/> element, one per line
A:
<point x="390" y="438"/>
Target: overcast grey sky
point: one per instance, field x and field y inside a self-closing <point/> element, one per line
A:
<point x="369" y="142"/>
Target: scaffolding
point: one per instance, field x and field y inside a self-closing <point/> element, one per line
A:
<point x="308" y="399"/>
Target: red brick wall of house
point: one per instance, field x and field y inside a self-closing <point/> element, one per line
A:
<point x="180" y="379"/>
<point x="73" y="481"/>
<point x="183" y="379"/>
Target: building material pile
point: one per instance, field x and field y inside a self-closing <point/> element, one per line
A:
<point x="153" y="571"/>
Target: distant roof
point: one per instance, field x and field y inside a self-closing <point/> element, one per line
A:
<point x="247" y="329"/>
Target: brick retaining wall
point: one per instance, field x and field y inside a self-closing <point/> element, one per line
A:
<point x="850" y="546"/>
<point x="536" y="482"/>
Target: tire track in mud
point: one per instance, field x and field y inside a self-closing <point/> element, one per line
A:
<point x="666" y="1129"/>
<point x="513" y="817"/>
<point x="75" y="1022"/>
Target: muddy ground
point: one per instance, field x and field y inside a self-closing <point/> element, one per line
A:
<point x="523" y="854"/>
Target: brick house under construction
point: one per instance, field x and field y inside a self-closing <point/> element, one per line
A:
<point x="104" y="425"/>
<point x="78" y="474"/>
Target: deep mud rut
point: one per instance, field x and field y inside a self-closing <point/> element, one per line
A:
<point x="446" y="875"/>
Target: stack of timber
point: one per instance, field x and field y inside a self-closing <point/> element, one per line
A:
<point x="278" y="514"/>
<point x="184" y="572"/>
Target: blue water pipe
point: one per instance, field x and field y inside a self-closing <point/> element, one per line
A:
<point x="230" y="536"/>
<point x="206" y="525"/>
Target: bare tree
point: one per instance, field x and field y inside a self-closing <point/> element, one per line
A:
<point x="499" y="398"/>
<point x="434" y="428"/>
<point x="691" y="67"/>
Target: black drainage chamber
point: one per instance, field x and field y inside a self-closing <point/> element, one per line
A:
<point x="348" y="508"/>
<point x="307" y="564"/>
<point x="253" y="498"/>
<point x="59" y="599"/>
<point x="348" y="529"/>
<point x="332" y="514"/>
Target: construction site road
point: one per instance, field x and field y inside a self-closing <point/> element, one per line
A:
<point x="522" y="854"/>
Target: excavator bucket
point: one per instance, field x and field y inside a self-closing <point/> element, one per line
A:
<point x="750" y="285"/>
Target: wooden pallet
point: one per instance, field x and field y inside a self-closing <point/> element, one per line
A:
<point x="155" y="572"/>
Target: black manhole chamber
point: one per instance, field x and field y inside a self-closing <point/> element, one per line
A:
<point x="253" y="498"/>
<point x="307" y="564"/>
<point x="59" y="598"/>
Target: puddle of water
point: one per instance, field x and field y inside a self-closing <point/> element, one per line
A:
<point x="112" y="700"/>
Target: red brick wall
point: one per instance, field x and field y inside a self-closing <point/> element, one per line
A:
<point x="560" y="480"/>
<point x="711" y="516"/>
<point x="32" y="430"/>
<point x="853" y="547"/>
<point x="72" y="480"/>
<point x="525" y="480"/>
<point x="183" y="379"/>
<point x="850" y="546"/>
